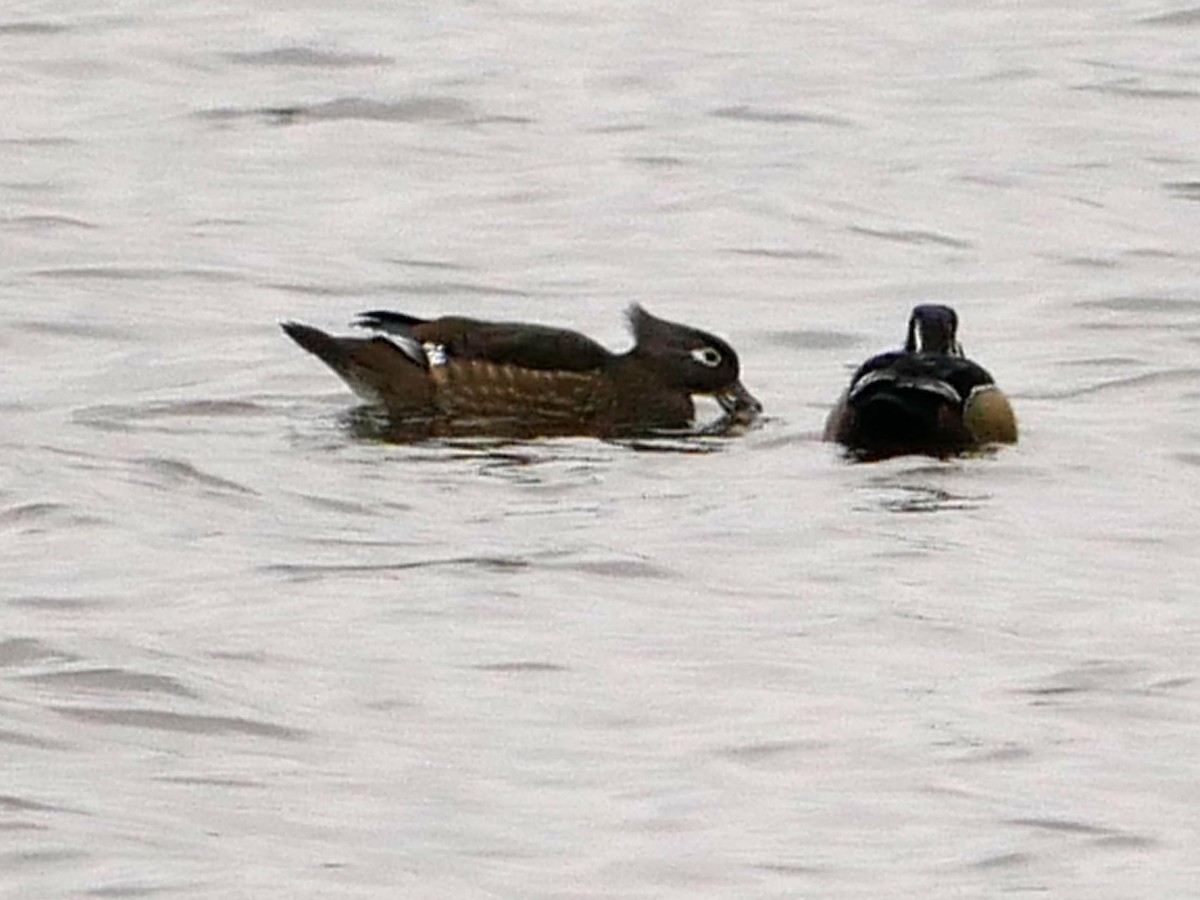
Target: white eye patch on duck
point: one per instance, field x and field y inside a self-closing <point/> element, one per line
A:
<point x="706" y="356"/>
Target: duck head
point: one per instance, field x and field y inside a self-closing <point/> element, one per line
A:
<point x="692" y="360"/>
<point x="933" y="328"/>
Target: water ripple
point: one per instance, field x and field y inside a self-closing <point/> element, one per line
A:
<point x="24" y="651"/>
<point x="659" y="161"/>
<point x="172" y="473"/>
<point x="1141" y="303"/>
<point x="130" y="889"/>
<point x="308" y="57"/>
<point x="771" y="752"/>
<point x="448" y="110"/>
<point x="1123" y="688"/>
<point x="164" y="720"/>
<point x="1184" y="190"/>
<point x="790" y="870"/>
<point x="35" y="512"/>
<point x="429" y="264"/>
<point x="789" y="255"/>
<point x="89" y="330"/>
<point x="304" y="571"/>
<point x="140" y="273"/>
<point x="17" y="739"/>
<point x="1002" y="861"/>
<point x="32" y="28"/>
<point x="58" y="604"/>
<point x="1184" y="18"/>
<point x="615" y="568"/>
<point x="20" y="804"/>
<point x="337" y="505"/>
<point x="743" y="113"/>
<point x="45" y="223"/>
<point x="1135" y="89"/>
<point x="121" y="418"/>
<point x="415" y="288"/>
<point x="1064" y="826"/>
<point x="521" y="667"/>
<point x="911" y="236"/>
<point x="112" y="680"/>
<point x="815" y="339"/>
<point x="1173" y="376"/>
<point x="206" y="781"/>
<point x="44" y="860"/>
<point x="908" y="492"/>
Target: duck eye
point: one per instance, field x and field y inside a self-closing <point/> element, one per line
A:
<point x="707" y="356"/>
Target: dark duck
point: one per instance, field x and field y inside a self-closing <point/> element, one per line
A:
<point x="529" y="380"/>
<point x="927" y="398"/>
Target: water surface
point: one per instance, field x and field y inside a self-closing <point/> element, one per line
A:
<point x="246" y="652"/>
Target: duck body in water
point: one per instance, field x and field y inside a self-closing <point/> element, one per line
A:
<point x="537" y="378"/>
<point x="926" y="398"/>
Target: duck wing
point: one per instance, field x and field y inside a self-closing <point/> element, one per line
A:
<point x="501" y="343"/>
<point x="951" y="377"/>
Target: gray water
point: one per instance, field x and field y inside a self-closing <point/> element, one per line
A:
<point x="247" y="653"/>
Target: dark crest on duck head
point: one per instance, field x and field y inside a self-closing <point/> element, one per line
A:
<point x="933" y="328"/>
<point x="691" y="360"/>
<point x="684" y="357"/>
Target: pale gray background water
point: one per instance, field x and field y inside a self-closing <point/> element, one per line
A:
<point x="245" y="654"/>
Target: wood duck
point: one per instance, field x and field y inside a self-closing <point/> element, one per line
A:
<point x="927" y="398"/>
<point x="547" y="380"/>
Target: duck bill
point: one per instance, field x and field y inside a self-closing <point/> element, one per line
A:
<point x="739" y="404"/>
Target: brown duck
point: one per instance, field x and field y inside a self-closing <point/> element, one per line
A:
<point x="546" y="380"/>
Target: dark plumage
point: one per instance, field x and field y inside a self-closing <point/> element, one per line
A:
<point x="546" y="380"/>
<point x="926" y="398"/>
